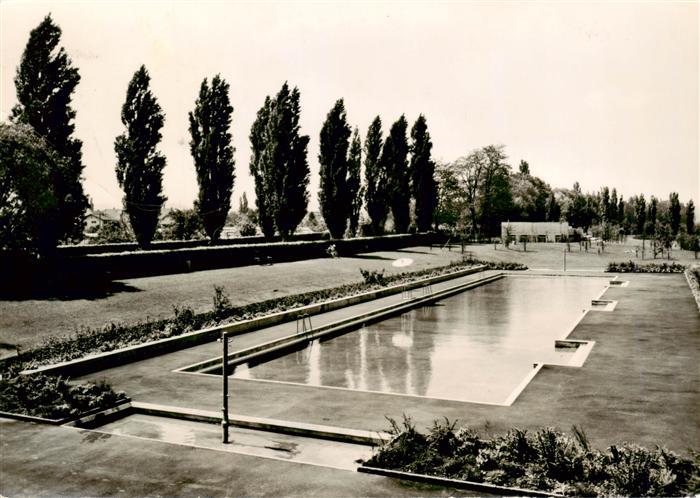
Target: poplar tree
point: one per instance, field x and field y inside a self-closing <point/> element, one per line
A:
<point x="640" y="212"/>
<point x="395" y="162"/>
<point x="213" y="154"/>
<point x="262" y="178"/>
<point x="45" y="81"/>
<point x="139" y="163"/>
<point x="279" y="165"/>
<point x="675" y="213"/>
<point x="690" y="217"/>
<point x="355" y="188"/>
<point x="376" y="179"/>
<point x="333" y="195"/>
<point x="423" y="175"/>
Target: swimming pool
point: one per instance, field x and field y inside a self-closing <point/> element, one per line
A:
<point x="477" y="346"/>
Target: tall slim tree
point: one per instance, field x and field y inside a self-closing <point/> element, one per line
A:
<point x="45" y="81"/>
<point x="423" y="175"/>
<point x="355" y="188"/>
<point x="333" y="195"/>
<point x="212" y="152"/>
<point x="139" y="163"/>
<point x="395" y="161"/>
<point x="279" y="165"/>
<point x="651" y="217"/>
<point x="640" y="215"/>
<point x="620" y="211"/>
<point x="260" y="170"/>
<point x="674" y="213"/>
<point x="376" y="178"/>
<point x="690" y="217"/>
<point x="553" y="208"/>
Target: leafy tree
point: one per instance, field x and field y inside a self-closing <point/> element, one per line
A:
<point x="423" y="172"/>
<point x="376" y="178"/>
<point x="690" y="217"/>
<point x="605" y="204"/>
<point x="553" y="208"/>
<point x="576" y="214"/>
<point x="213" y="154"/>
<point x="45" y="81"/>
<point x="675" y="213"/>
<point x="260" y="170"/>
<point x="279" y="166"/>
<point x="394" y="160"/>
<point x="451" y="208"/>
<point x="621" y="211"/>
<point x="495" y="197"/>
<point x="355" y="188"/>
<point x="29" y="202"/>
<point x="524" y="167"/>
<point x="611" y="211"/>
<point x="530" y="195"/>
<point x="333" y="195"/>
<point x="186" y="225"/>
<point x="139" y="163"/>
<point x="640" y="212"/>
<point x="651" y="217"/>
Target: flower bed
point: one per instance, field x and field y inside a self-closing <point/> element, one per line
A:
<point x="546" y="460"/>
<point x="115" y="336"/>
<point x="54" y="398"/>
<point x="692" y="275"/>
<point x="632" y="267"/>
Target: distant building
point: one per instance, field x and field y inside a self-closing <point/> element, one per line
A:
<point x="94" y="220"/>
<point x="540" y="231"/>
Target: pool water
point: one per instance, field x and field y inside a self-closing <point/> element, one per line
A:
<point x="477" y="346"/>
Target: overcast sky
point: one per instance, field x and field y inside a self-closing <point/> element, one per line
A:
<point x="600" y="93"/>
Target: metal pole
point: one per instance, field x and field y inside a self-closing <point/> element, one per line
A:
<point x="224" y="383"/>
<point x="565" y="259"/>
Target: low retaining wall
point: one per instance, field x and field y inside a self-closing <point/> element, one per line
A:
<point x="454" y="483"/>
<point x="137" y="352"/>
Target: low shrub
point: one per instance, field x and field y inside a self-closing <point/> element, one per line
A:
<point x="53" y="397"/>
<point x="632" y="267"/>
<point x="373" y="277"/>
<point x="546" y="460"/>
<point x="497" y="265"/>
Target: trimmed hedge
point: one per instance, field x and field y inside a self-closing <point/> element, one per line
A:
<point x="159" y="245"/>
<point x="632" y="267"/>
<point x="546" y="460"/>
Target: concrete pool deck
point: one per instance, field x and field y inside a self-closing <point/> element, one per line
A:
<point x="641" y="383"/>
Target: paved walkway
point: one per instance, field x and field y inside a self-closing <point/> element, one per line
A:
<point x="40" y="460"/>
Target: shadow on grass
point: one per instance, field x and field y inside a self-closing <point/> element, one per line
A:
<point x="66" y="290"/>
<point x="416" y="252"/>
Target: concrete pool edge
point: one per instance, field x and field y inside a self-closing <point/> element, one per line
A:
<point x="137" y="352"/>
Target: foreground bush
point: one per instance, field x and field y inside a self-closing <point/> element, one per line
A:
<point x="632" y="267"/>
<point x="53" y="397"/>
<point x="496" y="265"/>
<point x="115" y="336"/>
<point x="546" y="460"/>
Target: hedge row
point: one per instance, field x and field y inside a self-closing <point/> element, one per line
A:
<point x="82" y="250"/>
<point x="114" y="336"/>
<point x="632" y="267"/>
<point x="546" y="460"/>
